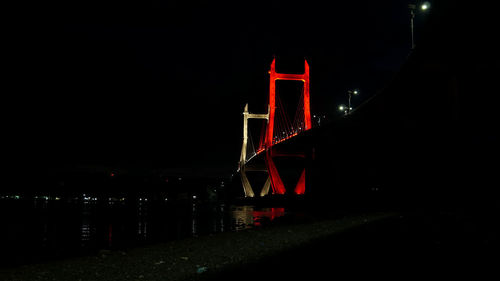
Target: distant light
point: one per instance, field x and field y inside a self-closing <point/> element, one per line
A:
<point x="350" y="108"/>
<point x="194" y="196"/>
<point x="355" y="92"/>
<point x="341" y="108"/>
<point x="425" y="6"/>
<point x="166" y="199"/>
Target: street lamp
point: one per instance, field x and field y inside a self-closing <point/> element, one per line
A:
<point x="318" y="119"/>
<point x="351" y="93"/>
<point x="423" y="7"/>
<point x="345" y="109"/>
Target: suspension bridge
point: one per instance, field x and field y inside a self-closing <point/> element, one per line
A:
<point x="278" y="126"/>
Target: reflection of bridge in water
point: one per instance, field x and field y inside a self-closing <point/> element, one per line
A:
<point x="279" y="128"/>
<point x="245" y="217"/>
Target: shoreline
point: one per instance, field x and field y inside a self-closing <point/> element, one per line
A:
<point x="190" y="258"/>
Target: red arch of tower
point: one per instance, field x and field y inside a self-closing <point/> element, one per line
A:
<point x="276" y="182"/>
<point x="272" y="97"/>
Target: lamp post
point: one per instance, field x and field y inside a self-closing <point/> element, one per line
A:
<point x="412" y="8"/>
<point x="318" y="118"/>
<point x="347" y="109"/>
<point x="351" y="92"/>
<point x="423" y="7"/>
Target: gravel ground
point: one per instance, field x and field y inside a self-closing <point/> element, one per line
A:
<point x="207" y="257"/>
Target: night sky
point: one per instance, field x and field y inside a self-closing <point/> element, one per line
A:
<point x="162" y="84"/>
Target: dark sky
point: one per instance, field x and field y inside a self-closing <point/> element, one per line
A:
<point x="162" y="84"/>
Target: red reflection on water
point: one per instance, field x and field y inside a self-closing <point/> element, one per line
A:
<point x="110" y="234"/>
<point x="270" y="213"/>
<point x="301" y="184"/>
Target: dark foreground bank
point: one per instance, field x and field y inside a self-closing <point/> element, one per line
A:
<point x="382" y="244"/>
<point x="188" y="258"/>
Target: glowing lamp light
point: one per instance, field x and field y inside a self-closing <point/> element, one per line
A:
<point x="355" y="92"/>
<point x="425" y="6"/>
<point x="341" y="107"/>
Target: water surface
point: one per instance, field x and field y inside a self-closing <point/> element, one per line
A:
<point x="42" y="228"/>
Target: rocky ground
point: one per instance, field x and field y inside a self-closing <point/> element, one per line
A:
<point x="190" y="258"/>
<point x="388" y="245"/>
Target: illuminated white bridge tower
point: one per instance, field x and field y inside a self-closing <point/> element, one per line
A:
<point x="243" y="158"/>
